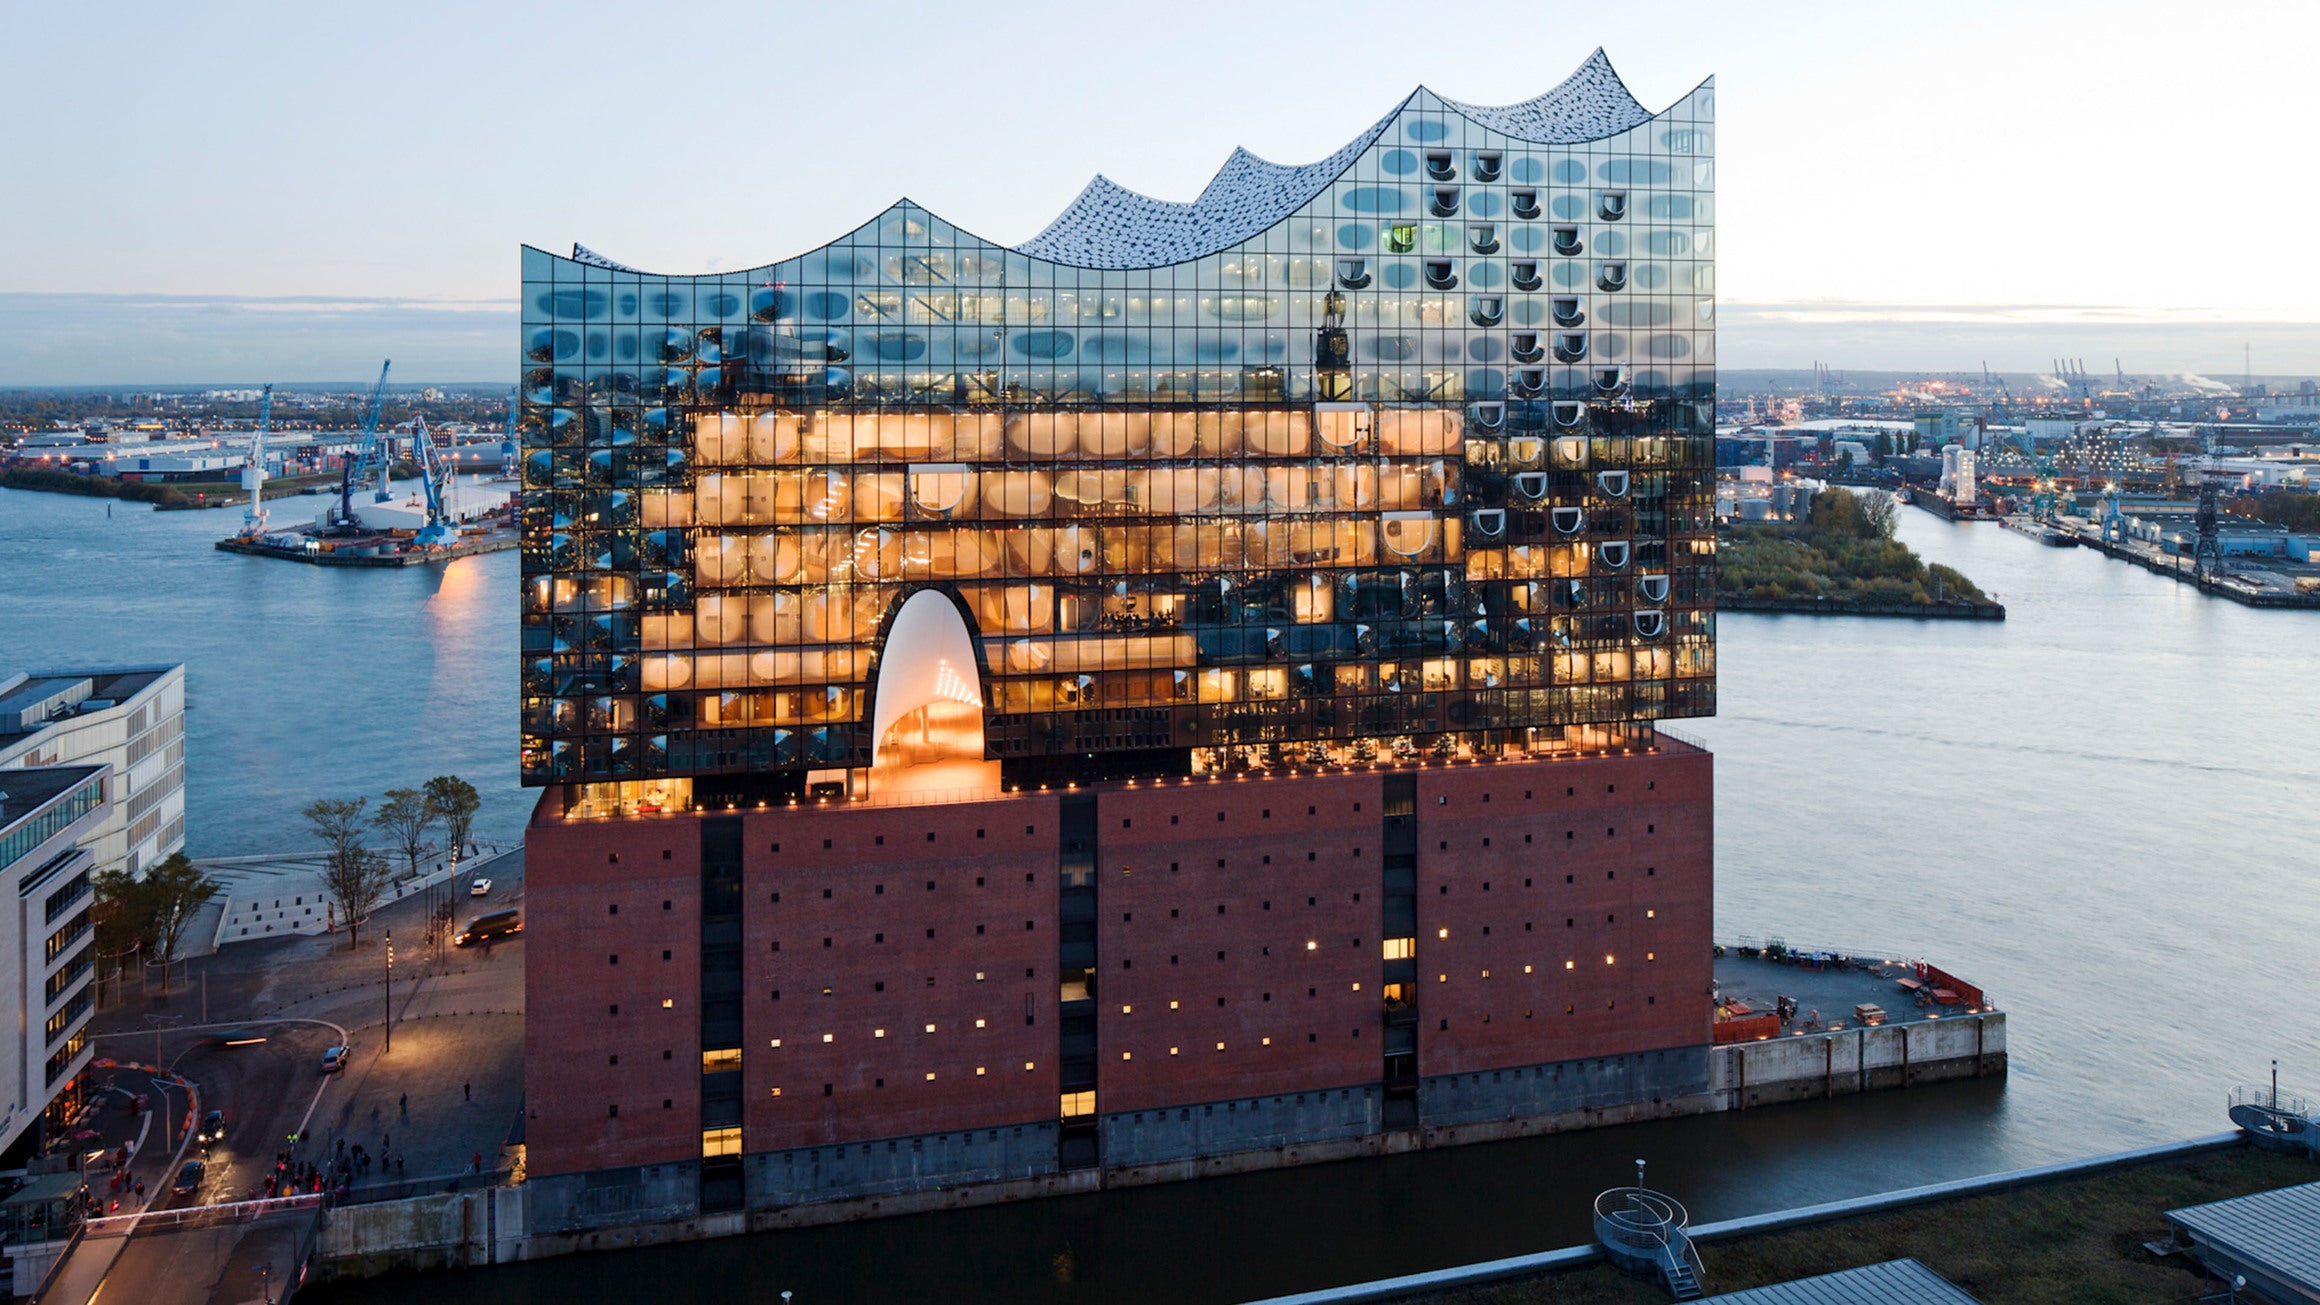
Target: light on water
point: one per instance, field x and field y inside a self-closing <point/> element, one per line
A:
<point x="2100" y="811"/>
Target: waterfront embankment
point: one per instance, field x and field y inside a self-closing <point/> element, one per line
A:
<point x="2054" y="1235"/>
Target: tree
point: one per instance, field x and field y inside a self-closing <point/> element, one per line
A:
<point x="356" y="883"/>
<point x="176" y="891"/>
<point x="1873" y="516"/>
<point x="404" y="818"/>
<point x="352" y="875"/>
<point x="122" y="915"/>
<point x="456" y="803"/>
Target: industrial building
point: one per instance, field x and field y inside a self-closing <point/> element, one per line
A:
<point x="128" y="718"/>
<point x="48" y="817"/>
<point x="1178" y="694"/>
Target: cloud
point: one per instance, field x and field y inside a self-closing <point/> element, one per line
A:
<point x="2008" y="337"/>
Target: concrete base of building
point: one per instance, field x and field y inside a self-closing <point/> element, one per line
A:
<point x="807" y="1187"/>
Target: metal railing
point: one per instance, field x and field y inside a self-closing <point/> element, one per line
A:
<point x="122" y="1225"/>
<point x="2264" y="1097"/>
<point x="1638" y="1225"/>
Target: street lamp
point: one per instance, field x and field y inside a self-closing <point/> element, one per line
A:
<point x="390" y="993"/>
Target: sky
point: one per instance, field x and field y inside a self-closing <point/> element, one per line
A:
<point x="237" y="192"/>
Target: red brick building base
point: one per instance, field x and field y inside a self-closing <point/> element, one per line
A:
<point x="1128" y="978"/>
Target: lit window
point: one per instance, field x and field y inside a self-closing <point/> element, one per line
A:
<point x="1651" y="956"/>
<point x="1442" y="933"/>
<point x="1268" y="1042"/>
<point x="1027" y="1065"/>
<point x="668" y="1003"/>
<point x="720" y="1141"/>
<point x="1220" y="1046"/>
<point x="978" y="976"/>
<point x="829" y="1037"/>
<point x="777" y="1042"/>
<point x="876" y="1033"/>
<point x="978" y="1071"/>
<point x="930" y="1028"/>
<point x="1607" y="958"/>
<point x="1526" y="969"/>
<point x="1172" y="1005"/>
<point x="1486" y="974"/>
<point x="718" y="1062"/>
<point x="1357" y="987"/>
<point x="1172" y="1051"/>
<point x="1312" y="945"/>
<point x="1570" y="965"/>
<point x="1078" y="1103"/>
<point x="1441" y="978"/>
<point x="1127" y="1055"/>
<point x="930" y="1076"/>
<point x="1124" y="1010"/>
<point x="1651" y="915"/>
<point x="978" y="1024"/>
<point x="1401" y="949"/>
<point x="777" y="1092"/>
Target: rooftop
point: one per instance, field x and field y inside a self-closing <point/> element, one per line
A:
<point x="32" y="699"/>
<point x="1895" y="1282"/>
<point x="23" y="792"/>
<point x="2271" y="1236"/>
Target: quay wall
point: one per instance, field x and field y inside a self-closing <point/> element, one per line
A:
<point x="653" y="1205"/>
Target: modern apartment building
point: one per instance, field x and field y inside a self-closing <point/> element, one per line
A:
<point x="1181" y="692"/>
<point x="131" y="718"/>
<point x="47" y="817"/>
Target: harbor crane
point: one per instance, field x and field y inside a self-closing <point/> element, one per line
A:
<point x="368" y="454"/>
<point x="254" y="470"/>
<point x="507" y="444"/>
<point x="435" y="476"/>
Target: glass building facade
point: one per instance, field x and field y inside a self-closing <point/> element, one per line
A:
<point x="1403" y="453"/>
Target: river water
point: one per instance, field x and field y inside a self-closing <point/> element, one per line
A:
<point x="2101" y="810"/>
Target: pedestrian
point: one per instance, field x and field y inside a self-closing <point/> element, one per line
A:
<point x="398" y="1166"/>
<point x="479" y="1162"/>
<point x="403" y="1103"/>
<point x="467" y="1091"/>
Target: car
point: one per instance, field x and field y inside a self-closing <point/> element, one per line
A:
<point x="494" y="924"/>
<point x="236" y="1038"/>
<point x="334" y="1059"/>
<point x="480" y="888"/>
<point x="188" y="1179"/>
<point x="213" y="1128"/>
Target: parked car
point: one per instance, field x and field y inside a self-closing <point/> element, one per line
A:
<point x="188" y="1179"/>
<point x="334" y="1059"/>
<point x="213" y="1128"/>
<point x="481" y="888"/>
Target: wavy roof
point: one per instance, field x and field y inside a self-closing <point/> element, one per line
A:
<point x="1111" y="226"/>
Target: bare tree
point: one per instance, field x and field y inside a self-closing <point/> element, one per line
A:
<point x="353" y="876"/>
<point x="404" y="818"/>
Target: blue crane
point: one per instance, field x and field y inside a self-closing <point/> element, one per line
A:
<point x="507" y="444"/>
<point x="435" y="473"/>
<point x="368" y="454"/>
<point x="254" y="470"/>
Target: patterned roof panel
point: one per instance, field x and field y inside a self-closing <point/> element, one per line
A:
<point x="1111" y="226"/>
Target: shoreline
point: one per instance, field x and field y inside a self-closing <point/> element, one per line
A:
<point x="1846" y="607"/>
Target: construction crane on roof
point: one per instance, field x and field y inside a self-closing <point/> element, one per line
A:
<point x="254" y="470"/>
<point x="367" y="455"/>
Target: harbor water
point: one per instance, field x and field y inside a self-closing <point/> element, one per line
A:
<point x="2100" y="810"/>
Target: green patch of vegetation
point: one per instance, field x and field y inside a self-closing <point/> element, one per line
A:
<point x="66" y="482"/>
<point x="1842" y="552"/>
<point x="2060" y="1243"/>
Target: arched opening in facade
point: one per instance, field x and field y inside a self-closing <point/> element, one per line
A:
<point x="927" y="721"/>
